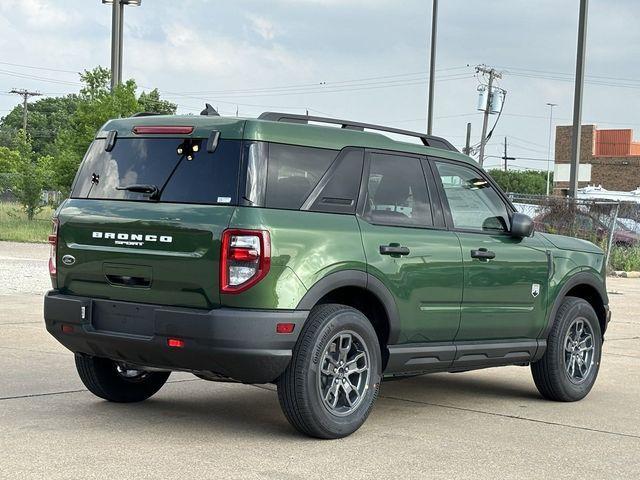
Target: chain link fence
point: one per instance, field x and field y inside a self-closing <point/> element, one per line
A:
<point x="614" y="226"/>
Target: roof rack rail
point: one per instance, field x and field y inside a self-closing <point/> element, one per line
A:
<point x="145" y="114"/>
<point x="427" y="140"/>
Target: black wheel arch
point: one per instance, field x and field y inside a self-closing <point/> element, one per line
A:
<point x="358" y="279"/>
<point x="587" y="286"/>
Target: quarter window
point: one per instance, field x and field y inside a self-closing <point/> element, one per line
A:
<point x="473" y="202"/>
<point x="293" y="172"/>
<point x="397" y="192"/>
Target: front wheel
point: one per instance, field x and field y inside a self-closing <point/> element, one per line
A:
<point x="570" y="365"/>
<point x="116" y="382"/>
<point x="332" y="382"/>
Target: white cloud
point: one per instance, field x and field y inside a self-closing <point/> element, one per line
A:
<point x="262" y="26"/>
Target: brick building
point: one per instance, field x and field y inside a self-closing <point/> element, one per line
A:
<point x="607" y="157"/>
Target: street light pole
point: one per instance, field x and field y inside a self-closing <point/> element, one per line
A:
<point x="550" y="105"/>
<point x="117" y="29"/>
<point x="577" y="99"/>
<point x="432" y="65"/>
<point x="115" y="43"/>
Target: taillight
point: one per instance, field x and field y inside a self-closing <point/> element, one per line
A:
<point x="53" y="242"/>
<point x="244" y="260"/>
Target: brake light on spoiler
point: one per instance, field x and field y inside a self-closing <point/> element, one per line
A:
<point x="245" y="259"/>
<point x="162" y="130"/>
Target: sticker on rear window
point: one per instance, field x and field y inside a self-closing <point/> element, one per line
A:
<point x="224" y="199"/>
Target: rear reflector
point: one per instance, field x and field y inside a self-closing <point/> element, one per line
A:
<point x="175" y="343"/>
<point x="285" y="327"/>
<point x="162" y="130"/>
<point x="67" y="329"/>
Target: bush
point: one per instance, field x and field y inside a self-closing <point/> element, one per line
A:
<point x="625" y="258"/>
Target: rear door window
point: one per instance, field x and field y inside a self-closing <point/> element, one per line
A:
<point x="397" y="192"/>
<point x="206" y="178"/>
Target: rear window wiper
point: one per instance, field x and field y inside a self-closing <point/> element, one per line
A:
<point x="151" y="190"/>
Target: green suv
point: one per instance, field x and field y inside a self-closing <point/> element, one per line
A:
<point x="320" y="255"/>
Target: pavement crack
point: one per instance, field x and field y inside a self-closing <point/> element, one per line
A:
<point x="514" y="417"/>
<point x="66" y="392"/>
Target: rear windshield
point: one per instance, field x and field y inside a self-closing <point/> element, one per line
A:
<point x="180" y="169"/>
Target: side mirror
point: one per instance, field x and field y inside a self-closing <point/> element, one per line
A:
<point x="521" y="225"/>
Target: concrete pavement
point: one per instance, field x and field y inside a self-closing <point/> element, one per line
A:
<point x="484" y="424"/>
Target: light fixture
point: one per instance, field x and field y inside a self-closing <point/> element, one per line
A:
<point x="135" y="3"/>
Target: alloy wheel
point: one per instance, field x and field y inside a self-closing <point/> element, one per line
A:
<point x="343" y="376"/>
<point x="579" y="350"/>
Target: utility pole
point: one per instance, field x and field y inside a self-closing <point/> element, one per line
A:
<point x="506" y="157"/>
<point x="550" y="105"/>
<point x="467" y="144"/>
<point x="25" y="94"/>
<point x="577" y="99"/>
<point x="432" y="65"/>
<point x="487" y="109"/>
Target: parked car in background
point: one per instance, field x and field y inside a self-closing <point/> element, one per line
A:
<point x="582" y="225"/>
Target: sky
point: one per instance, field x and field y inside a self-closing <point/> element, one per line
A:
<point x="364" y="60"/>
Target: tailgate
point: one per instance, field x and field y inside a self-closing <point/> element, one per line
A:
<point x="166" y="254"/>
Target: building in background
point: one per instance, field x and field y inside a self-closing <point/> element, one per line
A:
<point x="608" y="158"/>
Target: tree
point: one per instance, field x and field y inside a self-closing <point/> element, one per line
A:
<point x="528" y="182"/>
<point x="151" y="102"/>
<point x="47" y="117"/>
<point x="9" y="160"/>
<point x="29" y="173"/>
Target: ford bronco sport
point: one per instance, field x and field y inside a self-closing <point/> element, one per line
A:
<point x="320" y="255"/>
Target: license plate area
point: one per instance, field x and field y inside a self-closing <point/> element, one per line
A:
<point x="119" y="317"/>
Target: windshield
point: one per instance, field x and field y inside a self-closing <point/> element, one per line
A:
<point x="160" y="169"/>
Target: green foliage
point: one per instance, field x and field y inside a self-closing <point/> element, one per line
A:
<point x="151" y="102"/>
<point x="527" y="182"/>
<point x="625" y="258"/>
<point x="32" y="175"/>
<point x="47" y="117"/>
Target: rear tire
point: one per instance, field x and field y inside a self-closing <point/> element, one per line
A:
<point x="107" y="379"/>
<point x="332" y="381"/>
<point x="569" y="367"/>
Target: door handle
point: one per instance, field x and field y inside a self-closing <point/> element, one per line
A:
<point x="483" y="254"/>
<point x="394" y="249"/>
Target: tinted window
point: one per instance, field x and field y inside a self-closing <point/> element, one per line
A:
<point x="293" y="172"/>
<point x="209" y="178"/>
<point x="397" y="192"/>
<point x="473" y="202"/>
<point x="340" y="192"/>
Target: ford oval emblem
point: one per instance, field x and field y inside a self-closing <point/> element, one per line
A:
<point x="68" y="260"/>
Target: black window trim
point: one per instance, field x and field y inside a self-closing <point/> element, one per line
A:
<point x="364" y="181"/>
<point x="445" y="203"/>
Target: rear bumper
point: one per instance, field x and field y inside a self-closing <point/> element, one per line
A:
<point x="239" y="344"/>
